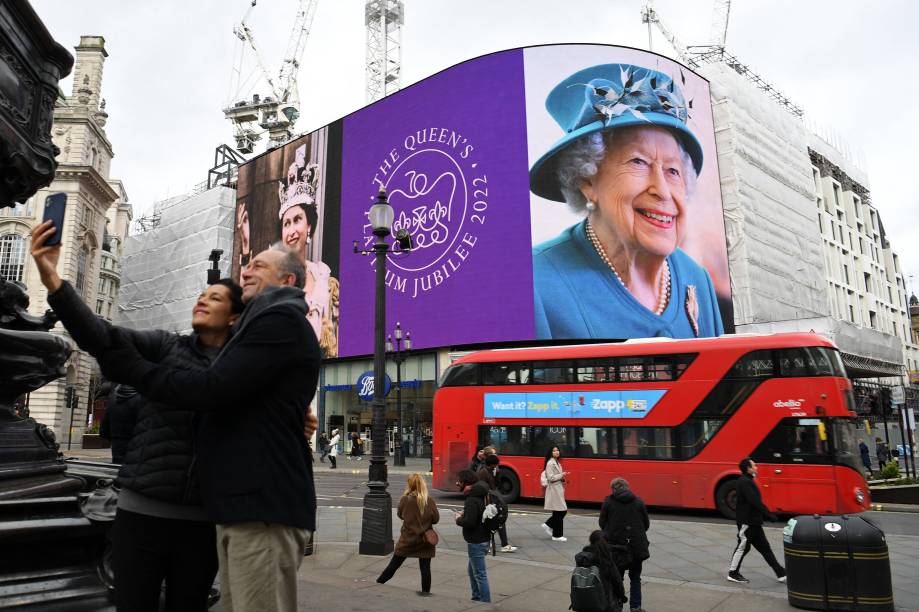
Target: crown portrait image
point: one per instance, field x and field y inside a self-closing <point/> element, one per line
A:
<point x="282" y="199"/>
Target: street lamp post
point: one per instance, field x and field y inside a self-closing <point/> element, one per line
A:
<point x="376" y="525"/>
<point x="399" y="356"/>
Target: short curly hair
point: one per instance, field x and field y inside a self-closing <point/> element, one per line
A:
<point x="581" y="160"/>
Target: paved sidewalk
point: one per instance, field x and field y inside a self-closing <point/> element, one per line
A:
<point x="686" y="570"/>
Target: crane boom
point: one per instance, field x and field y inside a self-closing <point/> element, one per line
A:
<point x="649" y="16"/>
<point x="303" y="22"/>
<point x="721" y="14"/>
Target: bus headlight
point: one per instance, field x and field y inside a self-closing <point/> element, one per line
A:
<point x="859" y="496"/>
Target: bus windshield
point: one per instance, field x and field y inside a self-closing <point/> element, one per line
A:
<point x="845" y="443"/>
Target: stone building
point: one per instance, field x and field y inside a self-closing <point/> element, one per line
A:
<point x="83" y="174"/>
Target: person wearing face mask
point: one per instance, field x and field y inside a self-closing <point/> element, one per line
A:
<point x="161" y="534"/>
<point x="750" y="515"/>
<point x="488" y="473"/>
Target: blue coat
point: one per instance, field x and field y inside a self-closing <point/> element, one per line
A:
<point x="577" y="296"/>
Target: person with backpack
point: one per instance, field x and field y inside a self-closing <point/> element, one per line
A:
<point x="553" y="479"/>
<point x="596" y="585"/>
<point x="475" y="532"/>
<point x="624" y="519"/>
<point x="323" y="446"/>
<point x="750" y="513"/>
<point x="489" y="473"/>
<point x="417" y="538"/>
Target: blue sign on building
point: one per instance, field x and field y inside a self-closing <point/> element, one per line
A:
<point x="636" y="404"/>
<point x="365" y="385"/>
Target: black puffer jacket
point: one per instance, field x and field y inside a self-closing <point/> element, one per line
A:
<point x="474" y="530"/>
<point x="120" y="418"/>
<point x="625" y="521"/>
<point x="160" y="455"/>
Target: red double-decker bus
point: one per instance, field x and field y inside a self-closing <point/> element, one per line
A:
<point x="674" y="417"/>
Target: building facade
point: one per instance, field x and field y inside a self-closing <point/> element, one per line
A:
<point x="83" y="174"/>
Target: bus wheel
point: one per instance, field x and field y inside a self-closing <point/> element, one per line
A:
<point x="726" y="498"/>
<point x="508" y="485"/>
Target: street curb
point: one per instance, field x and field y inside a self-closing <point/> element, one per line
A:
<point x="895" y="508"/>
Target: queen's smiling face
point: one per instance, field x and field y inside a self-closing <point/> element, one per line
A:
<point x="295" y="229"/>
<point x="640" y="190"/>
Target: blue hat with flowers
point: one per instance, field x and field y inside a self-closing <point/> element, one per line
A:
<point x="611" y="96"/>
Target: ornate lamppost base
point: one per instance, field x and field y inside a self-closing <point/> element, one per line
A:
<point x="376" y="526"/>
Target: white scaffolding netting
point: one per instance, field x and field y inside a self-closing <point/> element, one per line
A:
<point x="165" y="269"/>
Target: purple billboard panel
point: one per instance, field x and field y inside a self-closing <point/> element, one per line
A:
<point x="451" y="153"/>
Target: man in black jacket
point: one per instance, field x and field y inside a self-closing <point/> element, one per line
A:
<point x="475" y="533"/>
<point x="624" y="519"/>
<point x="255" y="480"/>
<point x="750" y="514"/>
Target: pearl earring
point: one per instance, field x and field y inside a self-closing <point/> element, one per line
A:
<point x="591" y="206"/>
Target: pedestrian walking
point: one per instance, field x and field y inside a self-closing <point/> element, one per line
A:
<point x="323" y="446"/>
<point x="553" y="479"/>
<point x="417" y="538"/>
<point x="476" y="534"/>
<point x="882" y="452"/>
<point x="356" y="444"/>
<point x="624" y="519"/>
<point x="478" y="460"/>
<point x="333" y="449"/>
<point x="866" y="455"/>
<point x="489" y="474"/>
<point x="253" y="404"/>
<point x="162" y="536"/>
<point x="599" y="554"/>
<point x="751" y="511"/>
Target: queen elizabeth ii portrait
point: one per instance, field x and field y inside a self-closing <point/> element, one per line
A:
<point x="627" y="163"/>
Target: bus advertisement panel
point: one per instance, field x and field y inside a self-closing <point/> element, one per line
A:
<point x="544" y="188"/>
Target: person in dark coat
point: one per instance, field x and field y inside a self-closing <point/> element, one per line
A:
<point x="866" y="455"/>
<point x="882" y="452"/>
<point x="419" y="513"/>
<point x="751" y="511"/>
<point x="624" y="519"/>
<point x="599" y="554"/>
<point x="478" y="460"/>
<point x="323" y="443"/>
<point x="161" y="534"/>
<point x="475" y="533"/>
<point x="489" y="474"/>
<point x="253" y="401"/>
<point x="119" y="420"/>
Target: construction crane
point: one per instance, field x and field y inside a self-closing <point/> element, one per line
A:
<point x="278" y="112"/>
<point x="384" y="19"/>
<point x="649" y="16"/>
<point x="721" y="14"/>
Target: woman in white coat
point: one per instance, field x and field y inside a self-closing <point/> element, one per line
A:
<point x="555" y="495"/>
<point x="333" y="449"/>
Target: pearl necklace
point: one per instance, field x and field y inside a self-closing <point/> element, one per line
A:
<point x="665" y="276"/>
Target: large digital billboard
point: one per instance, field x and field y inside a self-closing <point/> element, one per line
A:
<point x="557" y="192"/>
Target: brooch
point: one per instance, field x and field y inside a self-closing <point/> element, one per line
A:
<point x="692" y="308"/>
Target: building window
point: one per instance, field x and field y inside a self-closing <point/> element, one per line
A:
<point x="873" y="319"/>
<point x="845" y="272"/>
<point x="836" y="197"/>
<point x="851" y="313"/>
<point x="99" y="306"/>
<point x="81" y="269"/>
<point x="12" y="256"/>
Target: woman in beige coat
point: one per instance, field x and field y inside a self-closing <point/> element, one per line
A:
<point x="555" y="495"/>
<point x="418" y="513"/>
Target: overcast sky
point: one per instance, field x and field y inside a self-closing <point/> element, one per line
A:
<point x="850" y="65"/>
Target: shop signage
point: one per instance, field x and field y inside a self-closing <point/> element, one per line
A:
<point x="365" y="385"/>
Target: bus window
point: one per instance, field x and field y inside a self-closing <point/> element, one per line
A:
<point x="633" y="369"/>
<point x="595" y="372"/>
<point x="544" y="438"/>
<point x="794" y="441"/>
<point x="695" y="434"/>
<point x="793" y="362"/>
<point x="756" y="364"/>
<point x="507" y="440"/>
<point x="598" y="442"/>
<point x="552" y="373"/>
<point x="845" y="444"/>
<point x="461" y="375"/>
<point x="647" y="442"/>
<point x="499" y="374"/>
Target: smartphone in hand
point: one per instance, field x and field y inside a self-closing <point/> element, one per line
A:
<point x="55" y="206"/>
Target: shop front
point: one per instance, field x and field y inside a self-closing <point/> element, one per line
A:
<point x="340" y="406"/>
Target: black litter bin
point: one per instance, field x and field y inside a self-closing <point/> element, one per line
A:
<point x="837" y="562"/>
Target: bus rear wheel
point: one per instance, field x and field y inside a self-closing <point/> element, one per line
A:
<point x="726" y="498"/>
<point x="508" y="485"/>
